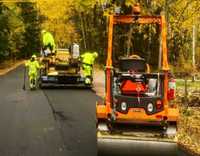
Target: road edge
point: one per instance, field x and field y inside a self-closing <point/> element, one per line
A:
<point x="9" y="69"/>
<point x="187" y="149"/>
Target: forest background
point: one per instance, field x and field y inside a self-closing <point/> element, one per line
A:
<point x="85" y="22"/>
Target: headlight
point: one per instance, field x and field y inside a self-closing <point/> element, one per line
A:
<point x="124" y="106"/>
<point x="150" y="107"/>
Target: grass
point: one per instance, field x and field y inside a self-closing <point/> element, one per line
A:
<point x="195" y="86"/>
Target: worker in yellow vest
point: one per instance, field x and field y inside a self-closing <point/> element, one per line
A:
<point x="88" y="59"/>
<point x="48" y="42"/>
<point x="33" y="67"/>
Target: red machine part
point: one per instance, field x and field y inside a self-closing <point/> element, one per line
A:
<point x="159" y="104"/>
<point x="129" y="87"/>
<point x="171" y="94"/>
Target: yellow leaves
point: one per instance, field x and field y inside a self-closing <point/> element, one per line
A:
<point x="189" y="128"/>
<point x="185" y="12"/>
<point x="84" y="5"/>
<point x="54" y="9"/>
<point x="130" y="2"/>
<point x="58" y="14"/>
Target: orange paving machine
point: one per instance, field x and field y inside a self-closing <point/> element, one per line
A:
<point x="139" y="104"/>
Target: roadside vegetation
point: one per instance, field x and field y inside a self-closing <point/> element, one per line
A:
<point x="189" y="128"/>
<point x="19" y="30"/>
<point x="188" y="98"/>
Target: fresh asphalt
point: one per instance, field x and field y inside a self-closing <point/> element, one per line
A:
<point x="49" y="122"/>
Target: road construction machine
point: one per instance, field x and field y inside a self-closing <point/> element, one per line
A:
<point x="139" y="103"/>
<point x="61" y="68"/>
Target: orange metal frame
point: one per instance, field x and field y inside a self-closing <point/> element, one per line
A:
<point x="103" y="111"/>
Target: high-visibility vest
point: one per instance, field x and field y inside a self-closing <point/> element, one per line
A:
<point x="88" y="58"/>
<point x="47" y="39"/>
<point x="33" y="66"/>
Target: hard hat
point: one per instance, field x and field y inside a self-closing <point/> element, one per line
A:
<point x="43" y="31"/>
<point x="33" y="56"/>
<point x="95" y="54"/>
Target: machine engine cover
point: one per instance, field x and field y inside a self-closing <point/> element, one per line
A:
<point x="133" y="84"/>
<point x="129" y="87"/>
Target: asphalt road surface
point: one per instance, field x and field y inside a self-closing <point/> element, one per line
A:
<point x="50" y="122"/>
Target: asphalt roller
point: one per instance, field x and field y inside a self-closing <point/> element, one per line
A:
<point x="139" y="114"/>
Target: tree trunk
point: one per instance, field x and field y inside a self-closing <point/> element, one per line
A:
<point x="83" y="30"/>
<point x="129" y="40"/>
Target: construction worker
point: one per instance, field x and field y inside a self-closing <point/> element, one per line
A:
<point x="33" y="67"/>
<point x="88" y="59"/>
<point x="48" y="42"/>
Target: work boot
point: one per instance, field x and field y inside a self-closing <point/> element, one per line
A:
<point x="88" y="81"/>
<point x="33" y="84"/>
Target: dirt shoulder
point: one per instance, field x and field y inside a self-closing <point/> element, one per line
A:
<point x="189" y="129"/>
<point x="189" y="124"/>
<point x="9" y="66"/>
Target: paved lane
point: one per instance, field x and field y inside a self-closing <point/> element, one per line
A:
<point x="28" y="127"/>
<point x="53" y="122"/>
<point x="75" y="112"/>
